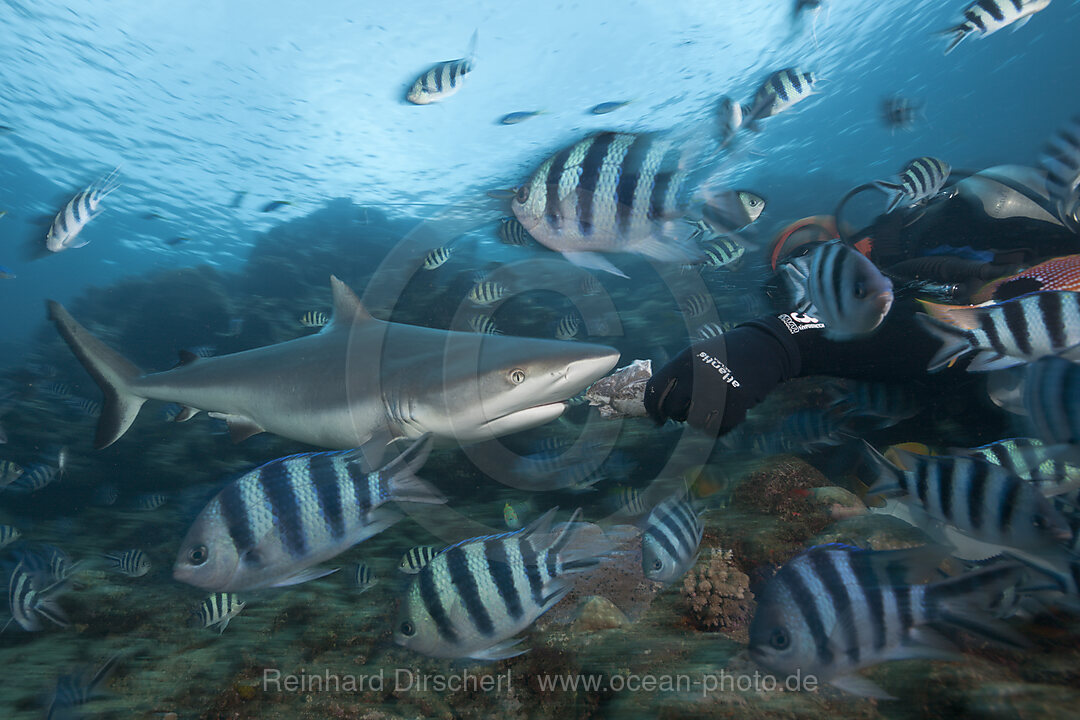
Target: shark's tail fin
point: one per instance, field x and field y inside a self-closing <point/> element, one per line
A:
<point x="111" y="371"/>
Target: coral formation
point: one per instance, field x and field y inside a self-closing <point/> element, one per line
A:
<point x="718" y="593"/>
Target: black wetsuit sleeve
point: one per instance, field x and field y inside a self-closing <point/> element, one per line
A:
<point x="713" y="383"/>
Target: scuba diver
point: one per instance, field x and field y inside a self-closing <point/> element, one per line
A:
<point x="987" y="225"/>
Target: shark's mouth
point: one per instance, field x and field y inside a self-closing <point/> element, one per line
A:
<point x="524" y="419"/>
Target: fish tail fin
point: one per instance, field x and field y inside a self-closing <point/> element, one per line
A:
<point x="895" y="192"/>
<point x="404" y="485"/>
<point x="956" y="35"/>
<point x="964" y="601"/>
<point x="956" y="341"/>
<point x="112" y="372"/>
<point x="470" y="54"/>
<point x="578" y="545"/>
<point x="886" y="476"/>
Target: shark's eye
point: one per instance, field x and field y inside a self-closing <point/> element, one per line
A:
<point x="516" y="376"/>
<point x="522" y="194"/>
<point x="198" y="555"/>
<point x="407" y="629"/>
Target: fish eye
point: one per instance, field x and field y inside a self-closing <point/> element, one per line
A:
<point x="779" y="639"/>
<point x="198" y="555"/>
<point x="522" y="194"/>
<point x="860" y="289"/>
<point x="516" y="376"/>
<point x="407" y="629"/>
<point x="658" y="564"/>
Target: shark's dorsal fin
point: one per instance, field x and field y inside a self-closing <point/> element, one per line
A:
<point x="347" y="307"/>
<point x="187" y="357"/>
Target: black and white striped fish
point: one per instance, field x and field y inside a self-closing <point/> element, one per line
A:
<point x="1051" y="400"/>
<point x="314" y="319"/>
<point x="29" y="600"/>
<point x="132" y="563"/>
<point x="802" y="431"/>
<point x="443" y="79"/>
<point x="780" y="91"/>
<point x="364" y="577"/>
<point x="484" y="324"/>
<point x="836" y="609"/>
<point x="1051" y="467"/>
<point x="8" y="535"/>
<point x="90" y="408"/>
<point x="270" y="527"/>
<point x="512" y="232"/>
<point x="1061" y="161"/>
<point x="982" y="500"/>
<point x="146" y="502"/>
<point x="218" y="609"/>
<point x="722" y="252"/>
<point x="876" y="404"/>
<point x="79" y="211"/>
<point x="36" y="477"/>
<point x="487" y="292"/>
<point x="712" y="330"/>
<point x="614" y="192"/>
<point x="920" y="180"/>
<point x="986" y="17"/>
<point x="568" y="327"/>
<point x="437" y="258"/>
<point x="840" y="286"/>
<point x="670" y="539"/>
<point x="1006" y="334"/>
<point x="696" y="305"/>
<point x="473" y="597"/>
<point x="416" y="558"/>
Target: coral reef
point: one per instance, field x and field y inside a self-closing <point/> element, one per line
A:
<point x="717" y="593"/>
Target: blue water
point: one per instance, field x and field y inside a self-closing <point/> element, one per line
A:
<point x="213" y="110"/>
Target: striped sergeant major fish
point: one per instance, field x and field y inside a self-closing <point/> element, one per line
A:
<point x="1005" y="334"/>
<point x="670" y="539"/>
<point x="29" y="600"/>
<point x="696" y="305"/>
<point x="780" y="92"/>
<point x="1051" y="467"/>
<point x="484" y="324"/>
<point x="920" y="180"/>
<point x="416" y="558"/>
<point x="272" y="525"/>
<point x="839" y="286"/>
<point x="443" y="79"/>
<point x="75" y="690"/>
<point x="1061" y="161"/>
<point x="473" y="597"/>
<point x="132" y="563"/>
<point x="149" y="501"/>
<point x="314" y="319"/>
<point x="437" y="258"/>
<point x="512" y="232"/>
<point x="982" y="500"/>
<point x="834" y="610"/>
<point x="800" y="432"/>
<point x="614" y="192"/>
<point x="79" y="211"/>
<point x="10" y="472"/>
<point x="722" y="252"/>
<point x="36" y="477"/>
<point x="1051" y="400"/>
<point x="218" y="609"/>
<point x="364" y="577"/>
<point x="986" y="17"/>
<point x="568" y="327"/>
<point x="487" y="292"/>
<point x="875" y="404"/>
<point x="8" y="535"/>
<point x="712" y="330"/>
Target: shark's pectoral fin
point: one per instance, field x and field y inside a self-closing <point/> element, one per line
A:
<point x="240" y="427"/>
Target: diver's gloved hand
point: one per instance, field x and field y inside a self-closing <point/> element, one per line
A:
<point x="713" y="383"/>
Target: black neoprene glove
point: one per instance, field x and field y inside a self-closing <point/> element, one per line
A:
<point x="713" y="383"/>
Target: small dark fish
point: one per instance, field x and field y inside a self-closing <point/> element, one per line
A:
<point x="177" y="240"/>
<point x="153" y="216"/>
<point x="238" y="198"/>
<point x="899" y="113"/>
<point x="274" y="205"/>
<point x="608" y="107"/>
<point x="517" y="117"/>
